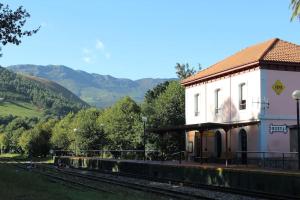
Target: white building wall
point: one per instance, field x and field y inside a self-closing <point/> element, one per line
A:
<point x="229" y="99"/>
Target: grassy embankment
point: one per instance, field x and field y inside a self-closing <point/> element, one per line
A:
<point x="16" y="184"/>
<point x="19" y="157"/>
<point x="21" y="109"/>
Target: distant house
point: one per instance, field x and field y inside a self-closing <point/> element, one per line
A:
<point x="253" y="85"/>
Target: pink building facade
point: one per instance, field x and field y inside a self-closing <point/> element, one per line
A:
<point x="253" y="85"/>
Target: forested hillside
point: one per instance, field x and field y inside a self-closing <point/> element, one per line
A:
<point x="95" y="89"/>
<point x="46" y="95"/>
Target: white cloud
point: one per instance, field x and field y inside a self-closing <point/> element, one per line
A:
<point x="87" y="59"/>
<point x="89" y="55"/>
<point x="107" y="55"/>
<point x="99" y="45"/>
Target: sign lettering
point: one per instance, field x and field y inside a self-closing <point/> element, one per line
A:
<point x="278" y="128"/>
<point x="278" y="87"/>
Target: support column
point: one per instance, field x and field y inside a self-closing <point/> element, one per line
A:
<point x="226" y="147"/>
<point x="201" y="146"/>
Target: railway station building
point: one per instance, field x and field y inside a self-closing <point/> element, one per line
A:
<point x="244" y="103"/>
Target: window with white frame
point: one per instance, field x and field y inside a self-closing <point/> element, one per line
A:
<point x="217" y="101"/>
<point x="242" y="96"/>
<point x="196" y="104"/>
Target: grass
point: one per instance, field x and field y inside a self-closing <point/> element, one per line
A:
<point x="25" y="185"/>
<point x="16" y="184"/>
<point x="21" y="109"/>
<point x="20" y="157"/>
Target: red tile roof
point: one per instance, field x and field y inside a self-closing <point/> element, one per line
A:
<point x="274" y="50"/>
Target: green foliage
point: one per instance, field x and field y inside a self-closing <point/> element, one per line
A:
<point x="36" y="141"/>
<point x="63" y="133"/>
<point x="20" y="109"/>
<point x="11" y="23"/>
<point x="13" y="130"/>
<point x="6" y="119"/>
<point x="80" y="131"/>
<point x="166" y="110"/>
<point x="152" y="94"/>
<point x="183" y="70"/>
<point x="46" y="95"/>
<point x="88" y="134"/>
<point x="98" y="90"/>
<point x="295" y="6"/>
<point x="4" y="142"/>
<point x="122" y="124"/>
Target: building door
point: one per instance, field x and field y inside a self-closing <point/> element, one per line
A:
<point x="198" y="144"/>
<point x="243" y="143"/>
<point x="218" y="144"/>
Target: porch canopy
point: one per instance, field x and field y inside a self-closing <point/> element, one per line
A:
<point x="202" y="127"/>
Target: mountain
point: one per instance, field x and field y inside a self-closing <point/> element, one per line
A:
<point x="95" y="89"/>
<point x="20" y="94"/>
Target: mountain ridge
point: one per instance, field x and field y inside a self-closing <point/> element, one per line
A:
<point x="42" y="93"/>
<point x="95" y="89"/>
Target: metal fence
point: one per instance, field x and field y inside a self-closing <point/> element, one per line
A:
<point x="113" y="154"/>
<point x="255" y="159"/>
<point x="267" y="159"/>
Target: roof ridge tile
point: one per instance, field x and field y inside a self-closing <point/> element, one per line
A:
<point x="273" y="50"/>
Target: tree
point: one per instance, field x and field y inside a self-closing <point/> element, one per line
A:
<point x="166" y="110"/>
<point x="295" y="6"/>
<point x="122" y="124"/>
<point x="36" y="142"/>
<point x="11" y="23"/>
<point x="63" y="133"/>
<point x="87" y="132"/>
<point x="169" y="106"/>
<point x="183" y="70"/>
<point x="152" y="94"/>
<point x="13" y="131"/>
<point x="4" y="143"/>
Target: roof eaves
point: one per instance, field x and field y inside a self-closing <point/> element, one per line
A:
<point x="211" y="76"/>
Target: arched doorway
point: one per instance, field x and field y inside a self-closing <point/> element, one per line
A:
<point x="243" y="145"/>
<point x="218" y="144"/>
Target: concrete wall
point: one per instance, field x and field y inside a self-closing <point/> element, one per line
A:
<point x="256" y="180"/>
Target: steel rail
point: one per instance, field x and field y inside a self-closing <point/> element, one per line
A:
<point x="135" y="186"/>
<point x="238" y="191"/>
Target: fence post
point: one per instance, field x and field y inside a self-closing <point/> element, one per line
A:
<point x="283" y="160"/>
<point x="264" y="160"/>
<point x="180" y="157"/>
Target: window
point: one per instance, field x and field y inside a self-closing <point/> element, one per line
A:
<point x="196" y="104"/>
<point x="242" y="96"/>
<point x="217" y="101"/>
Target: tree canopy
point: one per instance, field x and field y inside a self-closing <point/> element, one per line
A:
<point x="295" y="6"/>
<point x="183" y="70"/>
<point x="123" y="125"/>
<point x="11" y="23"/>
<point x="164" y="110"/>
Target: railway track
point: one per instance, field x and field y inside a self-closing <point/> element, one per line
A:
<point x="92" y="182"/>
<point x="102" y="177"/>
<point x="237" y="191"/>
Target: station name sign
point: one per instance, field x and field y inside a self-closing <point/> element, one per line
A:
<point x="278" y="128"/>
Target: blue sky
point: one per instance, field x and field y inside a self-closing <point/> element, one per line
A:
<point x="146" y="38"/>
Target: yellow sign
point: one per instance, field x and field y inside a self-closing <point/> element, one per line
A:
<point x="278" y="87"/>
<point x="209" y="134"/>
